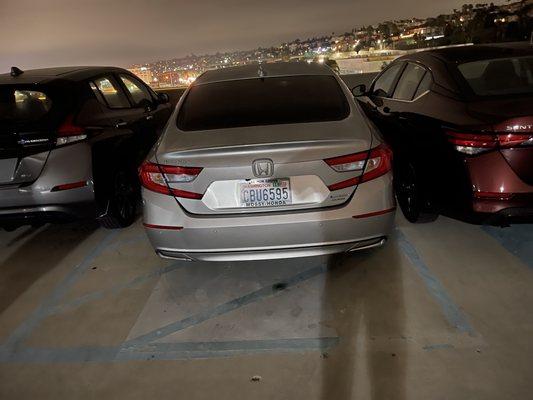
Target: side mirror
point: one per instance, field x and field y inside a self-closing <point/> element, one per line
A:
<point x="359" y="90"/>
<point x="163" y="98"/>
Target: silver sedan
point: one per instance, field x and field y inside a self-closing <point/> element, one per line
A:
<point x="263" y="162"/>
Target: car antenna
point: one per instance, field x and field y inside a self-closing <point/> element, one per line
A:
<point x="15" y="71"/>
<point x="261" y="72"/>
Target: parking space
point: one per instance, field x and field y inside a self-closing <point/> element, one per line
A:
<point x="90" y="313"/>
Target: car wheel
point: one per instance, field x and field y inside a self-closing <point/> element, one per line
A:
<point x="410" y="194"/>
<point x="122" y="205"/>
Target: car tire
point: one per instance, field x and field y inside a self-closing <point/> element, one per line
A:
<point x="122" y="202"/>
<point x="410" y="194"/>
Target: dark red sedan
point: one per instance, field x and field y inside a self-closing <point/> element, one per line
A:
<point x="460" y="122"/>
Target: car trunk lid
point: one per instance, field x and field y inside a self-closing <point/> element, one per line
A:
<point x="516" y="140"/>
<point x="512" y="121"/>
<point x="286" y="161"/>
<point x="26" y="122"/>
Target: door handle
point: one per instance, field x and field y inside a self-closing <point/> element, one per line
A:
<point x="149" y="117"/>
<point x="120" y="124"/>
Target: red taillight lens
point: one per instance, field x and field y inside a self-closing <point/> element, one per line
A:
<point x="471" y="144"/>
<point x="351" y="162"/>
<point x="476" y="143"/>
<point x="69" y="132"/>
<point x="515" y="139"/>
<point x="68" y="186"/>
<point x="377" y="163"/>
<point x="152" y="178"/>
<point x="155" y="177"/>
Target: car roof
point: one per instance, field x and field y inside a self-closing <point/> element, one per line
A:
<point x="466" y="53"/>
<point x="46" y="75"/>
<point x="263" y="71"/>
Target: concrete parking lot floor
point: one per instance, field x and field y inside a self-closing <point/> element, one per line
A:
<point x="443" y="311"/>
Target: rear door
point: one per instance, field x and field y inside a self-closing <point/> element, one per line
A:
<point x="159" y="112"/>
<point x="405" y="109"/>
<point x="154" y="115"/>
<point x="377" y="104"/>
<point x="28" y="117"/>
<point x="119" y="118"/>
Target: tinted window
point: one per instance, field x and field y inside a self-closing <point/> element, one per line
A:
<point x="424" y="86"/>
<point x="21" y="104"/>
<point x="499" y="76"/>
<point x="138" y="91"/>
<point x="383" y="85"/>
<point x="111" y="92"/>
<point x="97" y="93"/>
<point x="408" y="83"/>
<point x="269" y="101"/>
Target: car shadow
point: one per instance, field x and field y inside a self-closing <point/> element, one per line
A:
<point x="363" y="303"/>
<point x="42" y="250"/>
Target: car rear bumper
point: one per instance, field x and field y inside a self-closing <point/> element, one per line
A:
<point x="365" y="221"/>
<point x="490" y="175"/>
<point x="46" y="199"/>
<point x="275" y="252"/>
<point x="14" y="217"/>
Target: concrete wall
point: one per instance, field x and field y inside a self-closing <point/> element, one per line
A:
<point x="350" y="80"/>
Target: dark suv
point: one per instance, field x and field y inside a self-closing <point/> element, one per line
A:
<point x="71" y="139"/>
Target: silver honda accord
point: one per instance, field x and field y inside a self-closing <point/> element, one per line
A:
<point x="264" y="162"/>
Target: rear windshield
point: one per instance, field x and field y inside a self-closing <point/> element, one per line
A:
<point x="499" y="76"/>
<point x="268" y="101"/>
<point x="18" y="104"/>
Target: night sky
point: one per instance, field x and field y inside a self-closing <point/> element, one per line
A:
<point x="121" y="32"/>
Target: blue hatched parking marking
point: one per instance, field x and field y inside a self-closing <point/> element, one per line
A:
<point x="517" y="239"/>
<point x="450" y="310"/>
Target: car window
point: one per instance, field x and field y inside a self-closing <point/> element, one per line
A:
<point x="409" y="81"/>
<point x="383" y="85"/>
<point x="139" y="93"/>
<point x="111" y="92"/>
<point x="267" y="101"/>
<point x="20" y="104"/>
<point x="502" y="76"/>
<point x="424" y="86"/>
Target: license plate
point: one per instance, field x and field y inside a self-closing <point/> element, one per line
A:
<point x="265" y="193"/>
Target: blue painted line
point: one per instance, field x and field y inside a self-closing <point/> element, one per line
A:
<point x="166" y="351"/>
<point x="440" y="346"/>
<point x="59" y="355"/>
<point x="190" y="350"/>
<point x="25" y="328"/>
<point x="224" y="308"/>
<point x="116" y="288"/>
<point x="516" y="239"/>
<point x="450" y="310"/>
<point x="300" y="343"/>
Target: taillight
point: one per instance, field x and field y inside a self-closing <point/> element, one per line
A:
<point x="155" y="177"/>
<point x="69" y="132"/>
<point x="476" y="143"/>
<point x="351" y="162"/>
<point x="471" y="144"/>
<point x="375" y="163"/>
<point x="515" y="140"/>
<point x="68" y="186"/>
